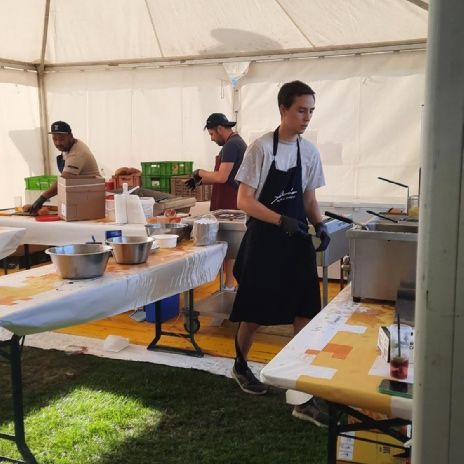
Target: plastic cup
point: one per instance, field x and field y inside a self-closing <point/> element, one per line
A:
<point x="399" y="366"/>
<point x="18" y="204"/>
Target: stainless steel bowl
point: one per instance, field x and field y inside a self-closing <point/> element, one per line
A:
<point x="179" y="229"/>
<point x="80" y="261"/>
<point x="130" y="250"/>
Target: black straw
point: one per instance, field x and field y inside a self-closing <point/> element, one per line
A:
<point x="399" y="339"/>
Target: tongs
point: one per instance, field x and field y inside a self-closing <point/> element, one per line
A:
<point x="345" y="219"/>
<point x="381" y="216"/>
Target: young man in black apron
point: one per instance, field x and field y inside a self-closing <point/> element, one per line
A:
<point x="276" y="264"/>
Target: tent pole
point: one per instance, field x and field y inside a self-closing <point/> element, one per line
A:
<point x="438" y="419"/>
<point x="43" y="107"/>
<point x="43" y="121"/>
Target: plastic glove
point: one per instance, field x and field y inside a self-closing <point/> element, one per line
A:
<point x="323" y="234"/>
<point x="37" y="204"/>
<point x="194" y="181"/>
<point x="291" y="226"/>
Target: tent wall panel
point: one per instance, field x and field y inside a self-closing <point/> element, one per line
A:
<point x="131" y="116"/>
<point x="20" y="145"/>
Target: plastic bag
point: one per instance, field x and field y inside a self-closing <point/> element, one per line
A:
<point x="205" y="230"/>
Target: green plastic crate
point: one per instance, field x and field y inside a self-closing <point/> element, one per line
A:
<point x="167" y="168"/>
<point x="39" y="182"/>
<point x="157" y="168"/>
<point x="162" y="184"/>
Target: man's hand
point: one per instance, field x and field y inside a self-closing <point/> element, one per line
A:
<point x="37" y="205"/>
<point x="321" y="232"/>
<point x="291" y="226"/>
<point x="194" y="181"/>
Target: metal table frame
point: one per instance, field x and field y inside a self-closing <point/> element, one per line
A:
<point x="11" y="350"/>
<point x="190" y="326"/>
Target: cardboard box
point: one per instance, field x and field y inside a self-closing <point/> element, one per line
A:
<point x="362" y="452"/>
<point x="81" y="199"/>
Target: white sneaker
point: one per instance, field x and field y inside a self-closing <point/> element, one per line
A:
<point x="230" y="289"/>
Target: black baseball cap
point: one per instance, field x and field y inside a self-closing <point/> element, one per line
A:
<point x="60" y="127"/>
<point x="218" y="119"/>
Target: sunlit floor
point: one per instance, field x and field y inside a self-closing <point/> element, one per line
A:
<point x="215" y="336"/>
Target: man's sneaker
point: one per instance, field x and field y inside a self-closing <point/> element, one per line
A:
<point x="315" y="410"/>
<point x="230" y="289"/>
<point x="248" y="382"/>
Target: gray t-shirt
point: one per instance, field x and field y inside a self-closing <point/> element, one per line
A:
<point x="232" y="152"/>
<point x="258" y="160"/>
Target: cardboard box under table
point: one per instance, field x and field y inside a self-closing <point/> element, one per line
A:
<point x="81" y="199"/>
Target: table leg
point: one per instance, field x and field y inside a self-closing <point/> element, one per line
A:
<point x="332" y="435"/>
<point x="19" y="436"/>
<point x="27" y="256"/>
<point x="191" y="327"/>
<point x="325" y="286"/>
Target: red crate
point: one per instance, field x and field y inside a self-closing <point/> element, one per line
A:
<point x="132" y="180"/>
<point x="179" y="189"/>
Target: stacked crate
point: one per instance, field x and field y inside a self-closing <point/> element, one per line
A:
<point x="156" y="175"/>
<point x="37" y="185"/>
<point x="179" y="189"/>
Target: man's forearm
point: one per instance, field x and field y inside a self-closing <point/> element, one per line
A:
<point x="313" y="212"/>
<point x="255" y="209"/>
<point x="209" y="177"/>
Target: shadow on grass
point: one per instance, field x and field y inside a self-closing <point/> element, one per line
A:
<point x="205" y="418"/>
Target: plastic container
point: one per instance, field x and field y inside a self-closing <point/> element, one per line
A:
<point x="205" y="230"/>
<point x="166" y="240"/>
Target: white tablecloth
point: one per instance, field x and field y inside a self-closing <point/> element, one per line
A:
<point x="57" y="233"/>
<point x="10" y="239"/>
<point x="39" y="300"/>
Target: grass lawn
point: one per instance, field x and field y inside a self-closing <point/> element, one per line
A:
<point x="84" y="409"/>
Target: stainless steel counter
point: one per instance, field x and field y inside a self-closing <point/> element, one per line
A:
<point x="383" y="258"/>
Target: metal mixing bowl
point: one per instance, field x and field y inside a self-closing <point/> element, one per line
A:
<point x="179" y="229"/>
<point x="80" y="261"/>
<point x="130" y="250"/>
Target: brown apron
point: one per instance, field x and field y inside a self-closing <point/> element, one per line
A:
<point x="224" y="196"/>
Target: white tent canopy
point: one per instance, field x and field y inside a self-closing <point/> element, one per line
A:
<point x="136" y="80"/>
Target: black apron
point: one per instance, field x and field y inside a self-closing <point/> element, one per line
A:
<point x="60" y="162"/>
<point x="277" y="274"/>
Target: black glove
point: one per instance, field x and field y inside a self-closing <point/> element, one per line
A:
<point x="291" y="226"/>
<point x="194" y="181"/>
<point x="37" y="204"/>
<point x="321" y="232"/>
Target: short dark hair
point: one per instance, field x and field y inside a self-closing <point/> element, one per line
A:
<point x="290" y="90"/>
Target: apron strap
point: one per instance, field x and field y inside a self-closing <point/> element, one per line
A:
<point x="275" y="144"/>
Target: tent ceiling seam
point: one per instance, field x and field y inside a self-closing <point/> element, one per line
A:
<point x="295" y="24"/>
<point x="21" y="65"/>
<point x="420" y="4"/>
<point x="152" y="22"/>
<point x="271" y="56"/>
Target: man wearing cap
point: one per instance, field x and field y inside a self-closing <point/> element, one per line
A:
<point x="75" y="160"/>
<point x="228" y="161"/>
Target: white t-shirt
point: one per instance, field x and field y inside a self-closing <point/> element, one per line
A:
<point x="258" y="159"/>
